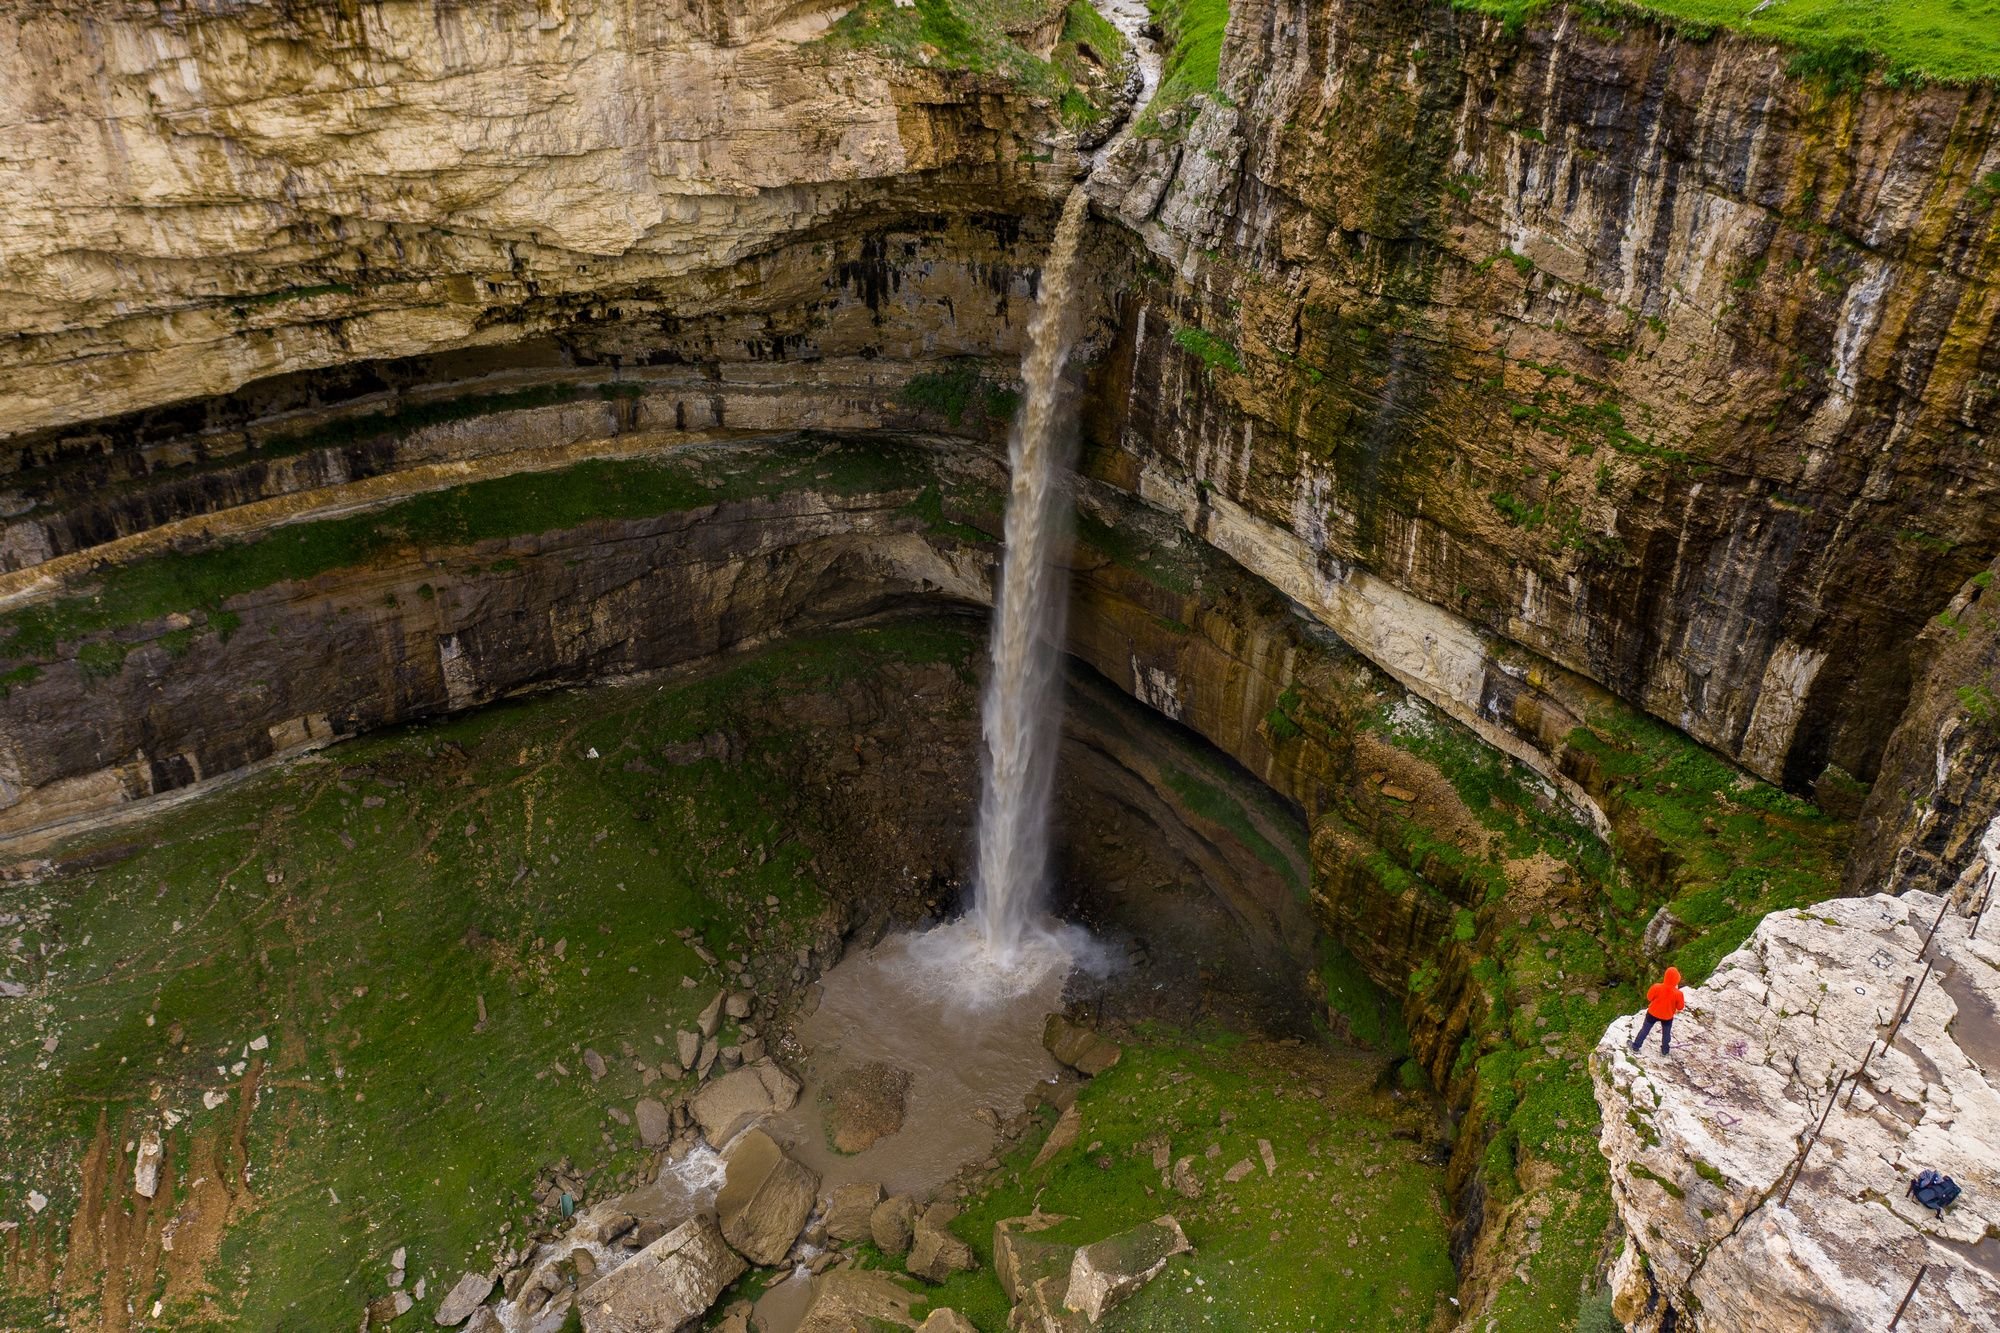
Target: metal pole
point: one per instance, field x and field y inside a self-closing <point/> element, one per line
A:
<point x="1906" y="1296"/>
<point x="1942" y="909"/>
<point x="1928" y="969"/>
<point x="1862" y="1069"/>
<point x="1799" y="1166"/>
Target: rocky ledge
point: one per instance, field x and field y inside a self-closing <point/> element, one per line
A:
<point x="1703" y="1144"/>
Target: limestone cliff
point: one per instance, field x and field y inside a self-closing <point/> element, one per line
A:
<point x="204" y="196"/>
<point x="1704" y="1143"/>
<point x="1544" y="376"/>
<point x="1624" y="348"/>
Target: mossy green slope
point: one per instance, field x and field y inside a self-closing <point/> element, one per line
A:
<point x="1953" y="41"/>
<point x="355" y="911"/>
<point x="1348" y="1233"/>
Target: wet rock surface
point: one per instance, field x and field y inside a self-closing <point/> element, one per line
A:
<point x="1726" y="1228"/>
<point x="665" y="1286"/>
<point x="865" y="1104"/>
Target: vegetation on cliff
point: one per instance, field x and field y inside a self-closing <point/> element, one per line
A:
<point x="1192" y="63"/>
<point x="1951" y="41"/>
<point x="124" y="597"/>
<point x="995" y="37"/>
<point x="1346" y="1230"/>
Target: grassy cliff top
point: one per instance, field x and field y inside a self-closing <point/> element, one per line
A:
<point x="1947" y="41"/>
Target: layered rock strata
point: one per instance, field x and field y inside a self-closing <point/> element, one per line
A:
<point x="1726" y="1230"/>
<point x="1622" y="347"/>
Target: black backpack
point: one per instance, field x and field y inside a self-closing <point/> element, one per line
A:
<point x="1934" y="1191"/>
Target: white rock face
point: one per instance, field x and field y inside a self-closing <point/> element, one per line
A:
<point x="203" y="197"/>
<point x="1701" y="1142"/>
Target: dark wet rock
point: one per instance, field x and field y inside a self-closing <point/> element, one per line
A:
<point x="849" y="1208"/>
<point x="765" y="1198"/>
<point x="893" y="1223"/>
<point x="865" y="1104"/>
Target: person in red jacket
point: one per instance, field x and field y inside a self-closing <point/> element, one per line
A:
<point x="1663" y="1001"/>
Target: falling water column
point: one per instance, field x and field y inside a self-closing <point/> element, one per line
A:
<point x="1022" y="718"/>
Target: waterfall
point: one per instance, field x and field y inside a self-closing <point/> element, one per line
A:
<point x="1021" y="718"/>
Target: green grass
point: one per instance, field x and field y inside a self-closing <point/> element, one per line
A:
<point x="385" y="1119"/>
<point x="517" y="505"/>
<point x="976" y="36"/>
<point x="960" y="391"/>
<point x="1193" y="63"/>
<point x="1214" y="351"/>
<point x="1349" y="1233"/>
<point x="1949" y="41"/>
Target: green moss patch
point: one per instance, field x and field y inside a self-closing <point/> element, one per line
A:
<point x="1837" y="41"/>
<point x="353" y="912"/>
<point x="1353" y="1221"/>
<point x="521" y="504"/>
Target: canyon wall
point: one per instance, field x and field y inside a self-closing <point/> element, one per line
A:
<point x="1550" y="376"/>
<point x="1626" y="349"/>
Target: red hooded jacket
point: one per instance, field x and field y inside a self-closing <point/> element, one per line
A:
<point x="1665" y="1000"/>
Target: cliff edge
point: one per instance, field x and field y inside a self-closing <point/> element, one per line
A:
<point x="1704" y="1143"/>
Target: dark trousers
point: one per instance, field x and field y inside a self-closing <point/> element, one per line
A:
<point x="1666" y="1033"/>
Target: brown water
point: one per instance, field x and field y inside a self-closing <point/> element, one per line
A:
<point x="966" y="1049"/>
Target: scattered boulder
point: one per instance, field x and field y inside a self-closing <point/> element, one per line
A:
<point x="1020" y="1260"/>
<point x="854" y="1298"/>
<point x="593" y="1062"/>
<point x="146" y="1168"/>
<point x="1067" y="1127"/>
<point x="1186" y="1183"/>
<point x="1240" y="1170"/>
<point x="665" y="1286"/>
<point x="485" y="1321"/>
<point x="656" y="1123"/>
<point x="711" y="1016"/>
<point x="1270" y="1158"/>
<point x="1106" y="1273"/>
<point x="742" y="1097"/>
<point x="935" y="1253"/>
<point x="466" y="1295"/>
<point x="765" y="1198"/>
<point x="865" y="1104"/>
<point x="687" y="1045"/>
<point x="1079" y="1047"/>
<point x="946" y="1320"/>
<point x="893" y="1223"/>
<point x="848" y="1209"/>
<point x="737" y="1006"/>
